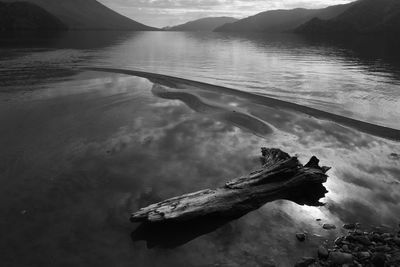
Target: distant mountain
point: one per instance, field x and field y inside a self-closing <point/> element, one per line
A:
<point x="87" y="15"/>
<point x="204" y="24"/>
<point x="281" y="20"/>
<point x="365" y="16"/>
<point x="22" y="16"/>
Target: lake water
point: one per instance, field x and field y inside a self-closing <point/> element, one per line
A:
<point x="82" y="149"/>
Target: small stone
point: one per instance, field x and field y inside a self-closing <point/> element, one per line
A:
<point x="377" y="238"/>
<point x="301" y="237"/>
<point x="358" y="232"/>
<point x="350" y="226"/>
<point x="305" y="262"/>
<point x="23" y="212"/>
<point x="385" y="235"/>
<point x="363" y="255"/>
<point x="328" y="226"/>
<point x="378" y="260"/>
<point x="323" y="252"/>
<point x="345" y="248"/>
<point x="362" y="240"/>
<point x="340" y="258"/>
<point x="338" y="241"/>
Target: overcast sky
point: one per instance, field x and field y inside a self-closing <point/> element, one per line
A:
<point x="160" y="13"/>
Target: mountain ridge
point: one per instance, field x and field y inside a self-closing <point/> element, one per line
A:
<point x="365" y="16"/>
<point x="87" y="15"/>
<point x="24" y="16"/>
<point x="203" y="24"/>
<point x="281" y="20"/>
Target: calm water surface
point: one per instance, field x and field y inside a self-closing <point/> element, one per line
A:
<point x="82" y="149"/>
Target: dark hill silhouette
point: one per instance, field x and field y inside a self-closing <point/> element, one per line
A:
<point x="23" y="16"/>
<point x="204" y="24"/>
<point x="87" y="15"/>
<point x="365" y="16"/>
<point x="281" y="20"/>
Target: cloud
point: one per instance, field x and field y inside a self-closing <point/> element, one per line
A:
<point x="170" y="12"/>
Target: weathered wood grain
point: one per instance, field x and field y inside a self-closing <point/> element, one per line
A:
<point x="280" y="177"/>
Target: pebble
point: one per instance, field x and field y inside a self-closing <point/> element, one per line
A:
<point x="386" y="235"/>
<point x="350" y="226"/>
<point x="328" y="226"/>
<point x="340" y="258"/>
<point x="305" y="262"/>
<point x="363" y="255"/>
<point x="338" y="240"/>
<point x="301" y="237"/>
<point x="377" y="238"/>
<point x="358" y="232"/>
<point x="359" y="248"/>
<point x="362" y="240"/>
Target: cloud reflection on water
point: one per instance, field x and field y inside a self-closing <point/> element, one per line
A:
<point x="105" y="152"/>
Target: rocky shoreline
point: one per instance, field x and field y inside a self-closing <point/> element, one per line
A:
<point x="377" y="247"/>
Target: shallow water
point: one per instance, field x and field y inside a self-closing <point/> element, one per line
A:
<point x="81" y="149"/>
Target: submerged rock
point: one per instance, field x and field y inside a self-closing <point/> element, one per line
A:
<point x="301" y="237"/>
<point x="339" y="240"/>
<point x="363" y="255"/>
<point x="364" y="240"/>
<point x="328" y="226"/>
<point x="350" y="226"/>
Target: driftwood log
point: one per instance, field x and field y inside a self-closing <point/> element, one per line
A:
<point x="281" y="177"/>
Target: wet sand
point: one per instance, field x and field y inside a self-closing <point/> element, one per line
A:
<point x="174" y="82"/>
